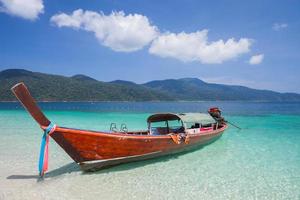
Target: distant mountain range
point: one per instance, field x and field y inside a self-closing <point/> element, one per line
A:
<point x="48" y="87"/>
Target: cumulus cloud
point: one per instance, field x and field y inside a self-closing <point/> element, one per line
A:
<point x="256" y="59"/>
<point x="195" y="47"/>
<point x="279" y="26"/>
<point x="117" y="31"/>
<point x="132" y="32"/>
<point x="28" y="9"/>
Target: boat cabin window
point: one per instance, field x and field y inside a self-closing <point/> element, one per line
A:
<point x="196" y="125"/>
<point x="192" y="125"/>
<point x="175" y="126"/>
<point x="166" y="127"/>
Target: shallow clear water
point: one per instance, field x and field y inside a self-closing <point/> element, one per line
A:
<point x="261" y="161"/>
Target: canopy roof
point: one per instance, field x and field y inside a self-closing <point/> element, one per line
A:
<point x="202" y="118"/>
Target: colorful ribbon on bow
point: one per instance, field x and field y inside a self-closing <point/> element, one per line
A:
<point x="43" y="160"/>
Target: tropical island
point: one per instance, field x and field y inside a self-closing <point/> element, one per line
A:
<point x="49" y="87"/>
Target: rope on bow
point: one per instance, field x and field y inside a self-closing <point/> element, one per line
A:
<point x="43" y="160"/>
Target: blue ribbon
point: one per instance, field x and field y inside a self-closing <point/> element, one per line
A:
<point x="42" y="150"/>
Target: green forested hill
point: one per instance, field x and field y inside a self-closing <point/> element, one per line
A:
<point x="47" y="87"/>
<point x="195" y="89"/>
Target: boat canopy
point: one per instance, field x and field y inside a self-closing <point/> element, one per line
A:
<point x="202" y="118"/>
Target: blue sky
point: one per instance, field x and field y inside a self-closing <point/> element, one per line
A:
<point x="161" y="39"/>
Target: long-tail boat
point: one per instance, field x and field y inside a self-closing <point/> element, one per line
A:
<point x="168" y="133"/>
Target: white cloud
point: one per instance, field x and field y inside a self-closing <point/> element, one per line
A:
<point x="28" y="9"/>
<point x="117" y="31"/>
<point x="279" y="26"/>
<point x="132" y="32"/>
<point x="195" y="47"/>
<point x="256" y="59"/>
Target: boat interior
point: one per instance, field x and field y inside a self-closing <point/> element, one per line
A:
<point x="168" y="123"/>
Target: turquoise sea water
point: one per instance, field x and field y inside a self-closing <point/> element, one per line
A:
<point x="261" y="161"/>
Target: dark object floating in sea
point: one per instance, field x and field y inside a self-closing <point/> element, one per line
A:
<point x="167" y="133"/>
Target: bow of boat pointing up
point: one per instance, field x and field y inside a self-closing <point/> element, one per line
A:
<point x="22" y="93"/>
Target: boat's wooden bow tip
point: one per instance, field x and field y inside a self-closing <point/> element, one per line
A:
<point x="23" y="95"/>
<point x="17" y="85"/>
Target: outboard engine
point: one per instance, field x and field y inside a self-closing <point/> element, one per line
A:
<point x="215" y="112"/>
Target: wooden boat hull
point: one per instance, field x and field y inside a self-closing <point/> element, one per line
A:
<point x="95" y="150"/>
